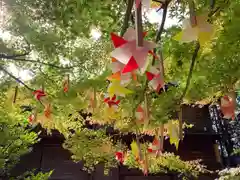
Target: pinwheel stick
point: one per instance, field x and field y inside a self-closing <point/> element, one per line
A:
<point x="127" y="16"/>
<point x="94" y="98"/>
<point x="138" y="24"/>
<point x="192" y="13"/>
<point x="139" y="148"/>
<point x="162" y="137"/>
<point x="43" y="88"/>
<point x="146" y="110"/>
<point x="15" y="94"/>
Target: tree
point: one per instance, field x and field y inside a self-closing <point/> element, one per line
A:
<point x="16" y="138"/>
<point x="56" y="31"/>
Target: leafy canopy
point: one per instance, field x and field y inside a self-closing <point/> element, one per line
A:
<point x="45" y="35"/>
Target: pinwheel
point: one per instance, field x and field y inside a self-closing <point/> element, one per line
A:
<point x="227" y="107"/>
<point x="147" y="3"/>
<point x="47" y="111"/>
<point x="117" y="68"/>
<point x="115" y="88"/>
<point x="119" y="156"/>
<point x="66" y="83"/>
<point x="155" y="4"/>
<point x="140" y="114"/>
<point x="111" y="113"/>
<point x="135" y="150"/>
<point x="202" y="32"/>
<point x="154" y="146"/>
<point x="128" y="53"/>
<point x="173" y="132"/>
<point x="156" y="81"/>
<point x="112" y="102"/>
<point x="38" y="94"/>
<point x="31" y="118"/>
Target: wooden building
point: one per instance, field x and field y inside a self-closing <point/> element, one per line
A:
<point x="198" y="143"/>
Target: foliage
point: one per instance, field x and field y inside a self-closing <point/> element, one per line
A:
<point x="234" y="131"/>
<point x="229" y="174"/>
<point x="45" y="35"/>
<point x="236" y="152"/>
<point x="35" y="176"/>
<point x="92" y="147"/>
<point x="16" y="138"/>
<point x="168" y="162"/>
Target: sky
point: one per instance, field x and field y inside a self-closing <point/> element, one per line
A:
<point x="152" y="16"/>
<point x="25" y="75"/>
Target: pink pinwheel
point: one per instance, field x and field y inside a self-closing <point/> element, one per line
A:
<point x="154" y="146"/>
<point x="145" y="3"/>
<point x="140" y="115"/>
<point x="156" y="81"/>
<point x="117" y="68"/>
<point x="128" y="53"/>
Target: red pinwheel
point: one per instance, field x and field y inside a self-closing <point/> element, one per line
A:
<point x="112" y="101"/>
<point x="38" y="94"/>
<point x="119" y="156"/>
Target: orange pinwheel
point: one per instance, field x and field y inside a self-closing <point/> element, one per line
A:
<point x="47" y="111"/>
<point x="66" y="84"/>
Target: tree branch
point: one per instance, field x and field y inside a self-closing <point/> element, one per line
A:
<point x="15" y="78"/>
<point x="194" y="57"/>
<point x="160" y="30"/>
<point x="13" y="58"/>
<point x="127" y="16"/>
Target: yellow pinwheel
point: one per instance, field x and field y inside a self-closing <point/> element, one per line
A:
<point x="173" y="133"/>
<point x="118" y="89"/>
<point x="203" y="31"/>
<point x="135" y="149"/>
